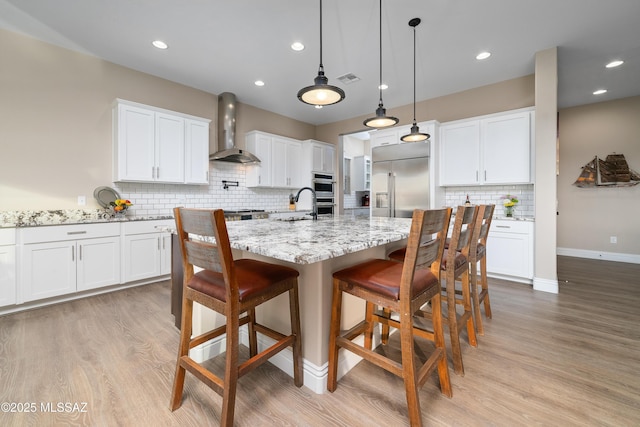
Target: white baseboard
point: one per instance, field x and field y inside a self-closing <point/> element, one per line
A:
<point x="315" y="377"/>
<point x="607" y="256"/>
<point x="545" y="285"/>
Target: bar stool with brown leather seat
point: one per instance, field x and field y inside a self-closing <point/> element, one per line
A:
<point x="401" y="288"/>
<point x="455" y="265"/>
<point x="477" y="254"/>
<point x="230" y="287"/>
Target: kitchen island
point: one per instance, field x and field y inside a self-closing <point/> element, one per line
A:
<point x="316" y="249"/>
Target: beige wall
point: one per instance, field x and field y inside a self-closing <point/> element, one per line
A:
<point x="589" y="216"/>
<point x="503" y="96"/>
<point x="55" y="120"/>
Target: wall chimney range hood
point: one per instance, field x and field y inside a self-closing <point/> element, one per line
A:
<point x="227" y="133"/>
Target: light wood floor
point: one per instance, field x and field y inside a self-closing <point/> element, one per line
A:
<point x="571" y="359"/>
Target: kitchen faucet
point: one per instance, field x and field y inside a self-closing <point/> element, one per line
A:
<point x="313" y="214"/>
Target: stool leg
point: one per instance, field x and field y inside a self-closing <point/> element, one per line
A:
<point x="384" y="336"/>
<point x="368" y="332"/>
<point x="485" y="287"/>
<point x="294" y="309"/>
<point x="409" y="373"/>
<point x="231" y="370"/>
<point x="438" y="334"/>
<point x="452" y="321"/>
<point x="474" y="297"/>
<point x="334" y="331"/>
<point x="253" y="337"/>
<point x="468" y="311"/>
<point x="183" y="350"/>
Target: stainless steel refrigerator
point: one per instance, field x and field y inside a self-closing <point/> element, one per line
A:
<point x="400" y="179"/>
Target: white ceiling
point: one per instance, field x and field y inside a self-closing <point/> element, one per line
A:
<point x="224" y="46"/>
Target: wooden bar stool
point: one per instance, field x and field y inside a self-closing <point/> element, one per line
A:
<point x="401" y="288"/>
<point x="477" y="254"/>
<point x="230" y="287"/>
<point x="455" y="266"/>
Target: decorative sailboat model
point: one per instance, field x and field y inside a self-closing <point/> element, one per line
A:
<point x="614" y="171"/>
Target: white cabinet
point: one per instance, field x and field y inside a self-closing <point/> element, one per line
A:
<point x="7" y="266"/>
<point x="490" y="150"/>
<point x="510" y="250"/>
<point x="147" y="250"/>
<point x="196" y="152"/>
<point x="149" y="145"/>
<point x="280" y="161"/>
<point x="64" y="259"/>
<point x="361" y="179"/>
<point x="389" y="136"/>
<point x="322" y="156"/>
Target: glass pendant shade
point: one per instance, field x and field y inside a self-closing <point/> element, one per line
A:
<point x="321" y="93"/>
<point x="381" y="120"/>
<point x="415" y="135"/>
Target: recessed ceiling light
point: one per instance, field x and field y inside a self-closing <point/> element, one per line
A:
<point x="383" y="86"/>
<point x="259" y="83"/>
<point x="297" y="46"/>
<point x="483" y="55"/>
<point x="159" y="44"/>
<point x="614" y="64"/>
<point x="600" y="92"/>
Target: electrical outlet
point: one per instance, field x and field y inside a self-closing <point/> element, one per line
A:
<point x="613" y="239"/>
<point x="82" y="200"/>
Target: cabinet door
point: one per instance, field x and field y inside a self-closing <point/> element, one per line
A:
<point x="460" y="153"/>
<point x="165" y="253"/>
<point x="98" y="263"/>
<point x="169" y="151"/>
<point x="328" y="156"/>
<point x="323" y="157"/>
<point x="510" y="249"/>
<point x="279" y="177"/>
<point x="142" y="256"/>
<point x="48" y="270"/>
<point x="506" y="149"/>
<point x="196" y="152"/>
<point x="7" y="275"/>
<point x="388" y="137"/>
<point x="135" y="145"/>
<point x="294" y="164"/>
<point x="259" y="175"/>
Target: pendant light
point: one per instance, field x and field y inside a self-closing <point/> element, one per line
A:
<point x="381" y="120"/>
<point x="415" y="134"/>
<point x="321" y="93"/>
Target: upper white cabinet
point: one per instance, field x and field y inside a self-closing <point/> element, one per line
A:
<point x="322" y="156"/>
<point x="196" y="152"/>
<point x="361" y="180"/>
<point x="493" y="149"/>
<point x="156" y="145"/>
<point x="7" y="266"/>
<point x="389" y="136"/>
<point x="280" y="161"/>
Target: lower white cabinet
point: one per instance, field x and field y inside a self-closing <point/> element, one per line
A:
<point x="7" y="266"/>
<point x="147" y="250"/>
<point x="59" y="260"/>
<point x="510" y="249"/>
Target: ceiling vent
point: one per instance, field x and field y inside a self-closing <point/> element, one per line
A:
<point x="348" y="78"/>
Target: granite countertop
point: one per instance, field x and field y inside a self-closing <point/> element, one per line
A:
<point x="14" y="219"/>
<point x="308" y="241"/>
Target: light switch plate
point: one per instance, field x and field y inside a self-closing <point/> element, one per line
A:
<point x="82" y="201"/>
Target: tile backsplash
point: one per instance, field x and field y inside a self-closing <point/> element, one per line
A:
<point x="160" y="199"/>
<point x="488" y="194"/>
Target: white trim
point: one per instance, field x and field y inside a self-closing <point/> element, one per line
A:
<point x="545" y="285"/>
<point x="607" y="256"/>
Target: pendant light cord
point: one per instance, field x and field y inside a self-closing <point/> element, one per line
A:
<point x="321" y="66"/>
<point x="380" y="86"/>
<point x="414" y="75"/>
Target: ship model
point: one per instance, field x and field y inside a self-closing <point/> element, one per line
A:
<point x="613" y="171"/>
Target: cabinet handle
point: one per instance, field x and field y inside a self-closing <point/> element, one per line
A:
<point x="485" y="175"/>
<point x="163" y="246"/>
<point x="73" y="253"/>
<point x="76" y="232"/>
<point x="80" y="253"/>
<point x="503" y="226"/>
<point x="476" y="176"/>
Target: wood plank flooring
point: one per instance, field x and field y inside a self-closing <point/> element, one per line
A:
<point x="571" y="359"/>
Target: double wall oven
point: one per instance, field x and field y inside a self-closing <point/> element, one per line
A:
<point x="324" y="184"/>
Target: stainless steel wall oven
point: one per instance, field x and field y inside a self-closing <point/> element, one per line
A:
<point x="323" y="183"/>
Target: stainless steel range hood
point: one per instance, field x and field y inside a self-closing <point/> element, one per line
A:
<point x="227" y="133"/>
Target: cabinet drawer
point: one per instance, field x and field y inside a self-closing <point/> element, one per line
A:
<point x="7" y="236"/>
<point x="142" y="227"/>
<point x="519" y="227"/>
<point x="68" y="232"/>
